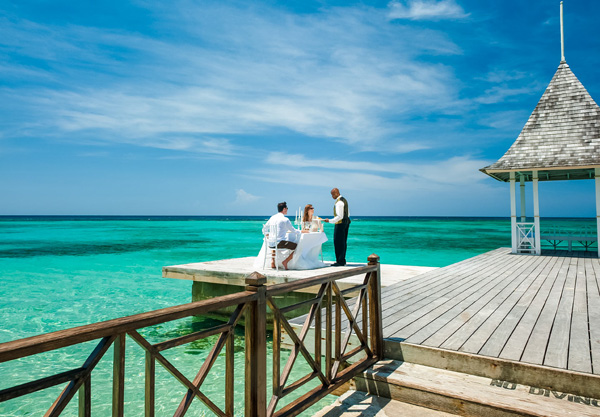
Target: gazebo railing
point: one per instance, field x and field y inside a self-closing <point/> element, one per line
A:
<point x="526" y="237"/>
<point x="585" y="236"/>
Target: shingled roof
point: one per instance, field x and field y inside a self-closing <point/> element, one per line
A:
<point x="561" y="139"/>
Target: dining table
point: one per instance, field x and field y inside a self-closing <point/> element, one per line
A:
<point x="307" y="255"/>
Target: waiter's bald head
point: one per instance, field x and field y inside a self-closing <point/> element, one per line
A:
<point x="335" y="193"/>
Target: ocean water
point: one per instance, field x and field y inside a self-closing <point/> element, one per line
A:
<point x="61" y="272"/>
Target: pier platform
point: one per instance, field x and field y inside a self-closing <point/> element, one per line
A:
<point x="514" y="319"/>
<point x="227" y="276"/>
<point x="233" y="271"/>
<point x="524" y="312"/>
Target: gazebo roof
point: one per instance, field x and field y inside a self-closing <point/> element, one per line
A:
<point x="561" y="139"/>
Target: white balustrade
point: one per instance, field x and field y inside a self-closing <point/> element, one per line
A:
<point x="525" y="233"/>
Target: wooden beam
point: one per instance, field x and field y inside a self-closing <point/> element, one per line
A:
<point x="536" y="214"/>
<point x="513" y="214"/>
<point x="522" y="181"/>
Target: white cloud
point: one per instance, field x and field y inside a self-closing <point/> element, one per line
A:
<point x="455" y="170"/>
<point x="426" y="10"/>
<point x="499" y="94"/>
<point x="232" y="71"/>
<point x="243" y="197"/>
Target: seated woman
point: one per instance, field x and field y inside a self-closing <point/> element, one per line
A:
<point x="310" y="222"/>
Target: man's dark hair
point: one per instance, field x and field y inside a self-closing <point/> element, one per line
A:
<point x="281" y="206"/>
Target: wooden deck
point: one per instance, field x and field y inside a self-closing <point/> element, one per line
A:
<point x="541" y="310"/>
<point x="532" y="320"/>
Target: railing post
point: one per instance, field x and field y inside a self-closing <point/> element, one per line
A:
<point x="118" y="399"/>
<point x="375" y="308"/>
<point x="256" y="348"/>
<point x="85" y="398"/>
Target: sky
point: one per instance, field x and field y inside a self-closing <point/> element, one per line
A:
<point x="148" y="107"/>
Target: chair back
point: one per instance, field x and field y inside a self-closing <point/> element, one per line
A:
<point x="271" y="235"/>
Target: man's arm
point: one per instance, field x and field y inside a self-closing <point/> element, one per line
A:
<point x="339" y="210"/>
<point x="288" y="225"/>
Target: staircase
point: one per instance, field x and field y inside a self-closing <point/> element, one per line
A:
<point x="466" y="395"/>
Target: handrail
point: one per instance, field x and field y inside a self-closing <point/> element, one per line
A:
<point x="75" y="335"/>
<point x="251" y="303"/>
<point x="285" y="287"/>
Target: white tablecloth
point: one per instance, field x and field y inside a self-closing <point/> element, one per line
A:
<point x="306" y="256"/>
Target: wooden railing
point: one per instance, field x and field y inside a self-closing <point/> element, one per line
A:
<point x="252" y="305"/>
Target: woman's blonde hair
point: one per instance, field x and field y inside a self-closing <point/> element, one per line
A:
<point x="306" y="210"/>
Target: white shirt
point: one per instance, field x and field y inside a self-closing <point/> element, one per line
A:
<point x="284" y="225"/>
<point x="339" y="211"/>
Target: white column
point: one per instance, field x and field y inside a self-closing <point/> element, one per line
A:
<point x="523" y="215"/>
<point x="598" y="208"/>
<point x="513" y="213"/>
<point x="536" y="214"/>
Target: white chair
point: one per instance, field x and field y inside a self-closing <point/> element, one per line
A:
<point x="271" y="250"/>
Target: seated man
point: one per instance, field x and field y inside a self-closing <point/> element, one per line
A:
<point x="284" y="225"/>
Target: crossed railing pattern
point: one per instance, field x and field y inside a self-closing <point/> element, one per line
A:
<point x="526" y="237"/>
<point x="114" y="332"/>
<point x="250" y="304"/>
<point x="337" y="369"/>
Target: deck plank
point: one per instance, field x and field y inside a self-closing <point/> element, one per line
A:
<point x="579" y="358"/>
<point x="515" y="344"/>
<point x="535" y="348"/>
<point x="435" y="298"/>
<point x="461" y="313"/>
<point x="459" y="306"/>
<point x="558" y="344"/>
<point x="592" y="272"/>
<point x="426" y="281"/>
<point x="473" y="335"/>
<point x="414" y="292"/>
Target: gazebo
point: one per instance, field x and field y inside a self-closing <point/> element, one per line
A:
<point x="560" y="141"/>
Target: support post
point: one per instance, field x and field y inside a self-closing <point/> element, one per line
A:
<point x="85" y="398"/>
<point x="523" y="215"/>
<point x="375" y="308"/>
<point x="118" y="399"/>
<point x="513" y="214"/>
<point x="597" y="172"/>
<point x="256" y="348"/>
<point x="536" y="214"/>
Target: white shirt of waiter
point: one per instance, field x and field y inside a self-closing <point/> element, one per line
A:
<point x="284" y="226"/>
<point x="339" y="211"/>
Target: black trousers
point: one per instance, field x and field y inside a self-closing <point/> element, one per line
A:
<point x="340" y="239"/>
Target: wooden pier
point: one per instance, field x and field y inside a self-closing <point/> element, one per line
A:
<point x="530" y="324"/>
<point x="538" y="310"/>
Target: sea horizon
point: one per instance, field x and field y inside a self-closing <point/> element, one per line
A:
<point x="253" y="216"/>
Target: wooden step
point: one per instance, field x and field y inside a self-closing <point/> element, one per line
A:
<point x="358" y="403"/>
<point x="563" y="380"/>
<point x="469" y="395"/>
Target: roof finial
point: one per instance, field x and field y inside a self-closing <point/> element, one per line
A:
<point x="562" y="35"/>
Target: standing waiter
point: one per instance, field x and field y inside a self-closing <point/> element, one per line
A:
<point x="341" y="219"/>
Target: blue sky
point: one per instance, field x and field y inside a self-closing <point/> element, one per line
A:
<point x="228" y="107"/>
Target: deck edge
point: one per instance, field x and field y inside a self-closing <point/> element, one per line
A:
<point x="577" y="383"/>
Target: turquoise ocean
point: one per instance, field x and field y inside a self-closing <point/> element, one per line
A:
<point x="58" y="272"/>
